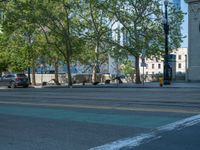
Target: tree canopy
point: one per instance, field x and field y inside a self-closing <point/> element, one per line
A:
<point x="83" y="31"/>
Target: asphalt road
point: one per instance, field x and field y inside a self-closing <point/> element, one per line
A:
<point x="187" y="139"/>
<point x="81" y="119"/>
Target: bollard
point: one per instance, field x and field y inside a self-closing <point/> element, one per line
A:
<point x="161" y="81"/>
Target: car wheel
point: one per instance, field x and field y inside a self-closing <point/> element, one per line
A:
<point x="12" y="85"/>
<point x="25" y="86"/>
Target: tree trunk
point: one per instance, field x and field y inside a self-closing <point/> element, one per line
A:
<point x="137" y="69"/>
<point x="56" y="72"/>
<point x="96" y="65"/>
<point x="132" y="77"/>
<point x="33" y="73"/>
<point x="68" y="60"/>
<point x="69" y="73"/>
<point x="94" y="74"/>
<point x="68" y="45"/>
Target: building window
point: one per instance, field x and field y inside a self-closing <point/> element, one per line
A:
<point x="159" y="66"/>
<point x="179" y="65"/>
<point x="179" y="57"/>
<point x="152" y="66"/>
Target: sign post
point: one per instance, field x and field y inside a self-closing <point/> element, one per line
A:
<point x="143" y="63"/>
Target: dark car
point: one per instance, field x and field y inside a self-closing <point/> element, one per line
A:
<point x="14" y="80"/>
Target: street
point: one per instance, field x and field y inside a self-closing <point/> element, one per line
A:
<point x="95" y="118"/>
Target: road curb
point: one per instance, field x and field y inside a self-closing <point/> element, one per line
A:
<point x="115" y="86"/>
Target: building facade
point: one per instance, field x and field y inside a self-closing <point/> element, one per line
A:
<point x="194" y="40"/>
<point x="154" y="67"/>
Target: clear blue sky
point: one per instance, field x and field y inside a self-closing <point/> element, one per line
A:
<point x="184" y="7"/>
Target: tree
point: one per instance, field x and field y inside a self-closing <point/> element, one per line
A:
<point x="78" y="30"/>
<point x="176" y="17"/>
<point x="58" y="21"/>
<point x="19" y="25"/>
<point x="95" y="25"/>
<point x="4" y="63"/>
<point x="54" y="19"/>
<point x="140" y="23"/>
<point x="12" y="53"/>
<point x="128" y="69"/>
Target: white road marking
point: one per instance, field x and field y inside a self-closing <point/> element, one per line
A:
<point x="181" y="124"/>
<point x="129" y="142"/>
<point x="144" y="138"/>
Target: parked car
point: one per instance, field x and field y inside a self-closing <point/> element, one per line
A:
<point x="14" y="80"/>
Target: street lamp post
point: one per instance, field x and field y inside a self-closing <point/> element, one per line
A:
<point x="166" y="57"/>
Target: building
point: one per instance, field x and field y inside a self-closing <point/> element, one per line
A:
<point x="193" y="40"/>
<point x="154" y="66"/>
<point x="181" y="60"/>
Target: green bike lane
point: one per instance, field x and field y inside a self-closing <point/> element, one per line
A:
<point x="130" y="120"/>
<point x="73" y="129"/>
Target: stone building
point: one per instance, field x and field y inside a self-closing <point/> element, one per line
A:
<point x="194" y="40"/>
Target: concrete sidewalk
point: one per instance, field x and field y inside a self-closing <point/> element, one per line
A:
<point x="129" y="85"/>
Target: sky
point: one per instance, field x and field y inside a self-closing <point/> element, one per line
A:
<point x="184" y="27"/>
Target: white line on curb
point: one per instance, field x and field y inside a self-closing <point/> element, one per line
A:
<point x="138" y="140"/>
